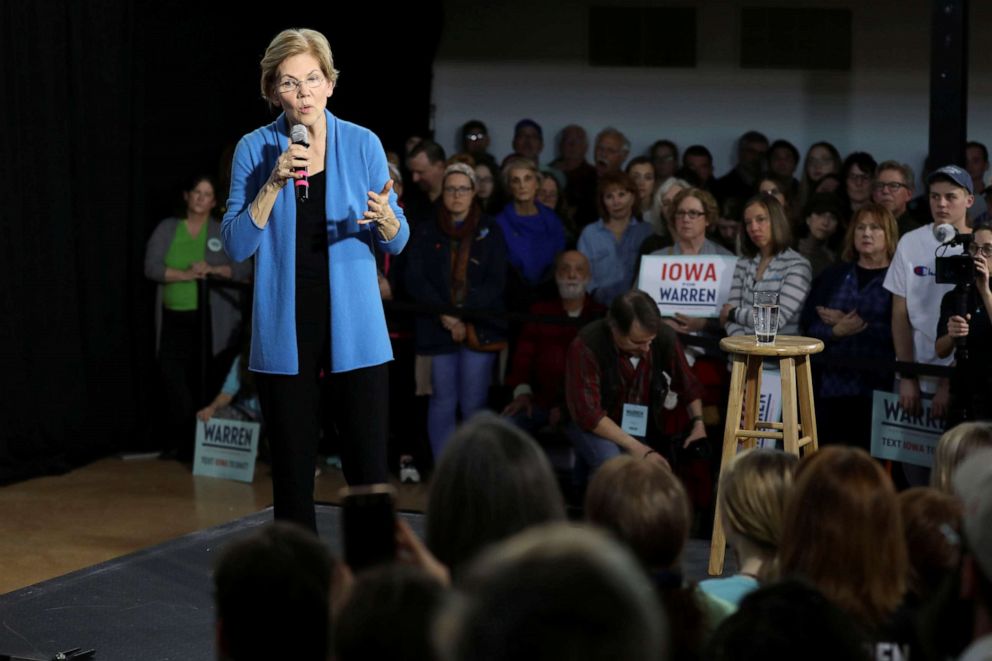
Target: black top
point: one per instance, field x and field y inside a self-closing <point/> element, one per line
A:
<point x="867" y="275"/>
<point x="972" y="381"/>
<point x="311" y="236"/>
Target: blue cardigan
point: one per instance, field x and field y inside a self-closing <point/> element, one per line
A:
<point x="355" y="164"/>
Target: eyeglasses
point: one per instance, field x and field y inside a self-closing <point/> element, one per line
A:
<point x="891" y="186"/>
<point x="691" y="214"/>
<point x="974" y="249"/>
<point x="860" y="178"/>
<point x="475" y="137"/>
<point x="861" y="228"/>
<point x="287" y="85"/>
<point x="457" y="190"/>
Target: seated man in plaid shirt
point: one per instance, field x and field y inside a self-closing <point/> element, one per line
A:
<point x="624" y="374"/>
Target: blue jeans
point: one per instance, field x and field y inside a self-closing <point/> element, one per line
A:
<point x="591" y="452"/>
<point x="460" y="380"/>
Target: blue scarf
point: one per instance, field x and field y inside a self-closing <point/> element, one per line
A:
<point x="531" y="241"/>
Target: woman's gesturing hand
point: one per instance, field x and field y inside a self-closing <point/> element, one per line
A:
<point x="381" y="213"/>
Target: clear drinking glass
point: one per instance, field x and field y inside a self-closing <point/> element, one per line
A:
<point x="765" y="315"/>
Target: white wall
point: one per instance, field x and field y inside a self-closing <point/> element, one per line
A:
<point x="490" y="68"/>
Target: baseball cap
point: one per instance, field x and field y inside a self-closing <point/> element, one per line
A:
<point x="973" y="483"/>
<point x="953" y="173"/>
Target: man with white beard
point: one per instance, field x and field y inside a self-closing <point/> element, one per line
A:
<point x="537" y="372"/>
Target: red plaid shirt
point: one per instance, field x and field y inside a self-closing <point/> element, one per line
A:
<point x="582" y="384"/>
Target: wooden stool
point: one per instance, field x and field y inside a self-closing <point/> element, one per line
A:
<point x="745" y="387"/>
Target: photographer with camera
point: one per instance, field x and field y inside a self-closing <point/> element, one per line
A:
<point x="971" y="384"/>
<point x="912" y="280"/>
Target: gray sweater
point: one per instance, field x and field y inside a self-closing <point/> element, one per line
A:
<point x="225" y="313"/>
<point x="788" y="273"/>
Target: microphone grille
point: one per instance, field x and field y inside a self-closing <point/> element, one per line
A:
<point x="944" y="233"/>
<point x="298" y="133"/>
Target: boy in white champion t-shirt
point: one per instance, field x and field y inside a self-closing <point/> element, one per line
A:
<point x="915" y="293"/>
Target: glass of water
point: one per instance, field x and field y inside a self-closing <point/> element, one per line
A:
<point x="765" y="314"/>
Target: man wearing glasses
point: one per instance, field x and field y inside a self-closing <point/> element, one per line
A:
<point x="475" y="141"/>
<point x="893" y="189"/>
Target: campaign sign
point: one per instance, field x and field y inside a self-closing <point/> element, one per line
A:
<point x="900" y="436"/>
<point x="770" y="403"/>
<point x="693" y="285"/>
<point x="226" y="448"/>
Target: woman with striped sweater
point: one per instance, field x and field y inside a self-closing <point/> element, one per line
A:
<point x="767" y="264"/>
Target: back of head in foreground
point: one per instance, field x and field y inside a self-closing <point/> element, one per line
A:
<point x="955" y="445"/>
<point x="645" y="505"/>
<point x="973" y="483"/>
<point x="784" y="621"/>
<point x="272" y="592"/>
<point x="493" y="481"/>
<point x="754" y="489"/>
<point x="554" y="592"/>
<point x="389" y="614"/>
<point x="843" y="533"/>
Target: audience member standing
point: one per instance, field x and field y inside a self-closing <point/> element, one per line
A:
<point x="533" y="235"/>
<point x="611" y="151"/>
<point x="426" y="163"/>
<point x="612" y="244"/>
<point x="179" y="252"/>
<point x="580" y="190"/>
<point x="851" y="312"/>
<point x="457" y="261"/>
<point x="742" y="181"/>
<point x="528" y="141"/>
<point x="912" y="281"/>
<point x="822" y="160"/>
<point x="767" y="264"/>
<point x="893" y="189"/>
<point x="971" y="383"/>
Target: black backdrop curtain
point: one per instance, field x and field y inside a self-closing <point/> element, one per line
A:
<point x="108" y="108"/>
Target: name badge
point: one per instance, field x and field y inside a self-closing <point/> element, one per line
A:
<point x="635" y="419"/>
<point x="214" y="244"/>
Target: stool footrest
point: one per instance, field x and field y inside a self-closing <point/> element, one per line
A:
<point x="761" y="424"/>
<point x="747" y="433"/>
<point x="805" y="440"/>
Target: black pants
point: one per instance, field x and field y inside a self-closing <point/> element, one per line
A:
<point x="179" y="361"/>
<point x="290" y="406"/>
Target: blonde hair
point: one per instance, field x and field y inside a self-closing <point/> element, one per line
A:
<point x="288" y="43"/>
<point x="753" y="492"/>
<point x="954" y="446"/>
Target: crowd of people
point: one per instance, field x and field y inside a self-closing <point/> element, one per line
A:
<point x="848" y="248"/>
<point x="833" y="563"/>
<point x="477" y="274"/>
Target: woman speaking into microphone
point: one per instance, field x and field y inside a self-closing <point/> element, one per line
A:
<point x="316" y="304"/>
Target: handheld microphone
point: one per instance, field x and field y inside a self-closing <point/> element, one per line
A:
<point x="299" y="136"/>
<point x="948" y="236"/>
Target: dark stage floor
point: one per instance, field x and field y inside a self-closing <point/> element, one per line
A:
<point x="156" y="604"/>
